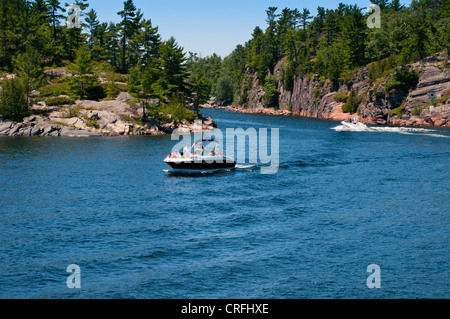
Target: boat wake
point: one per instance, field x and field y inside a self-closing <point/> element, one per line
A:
<point x="245" y="166"/>
<point x="384" y="129"/>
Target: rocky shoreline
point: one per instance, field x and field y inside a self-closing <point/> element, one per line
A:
<point x="437" y="117"/>
<point x="425" y="105"/>
<point x="93" y="119"/>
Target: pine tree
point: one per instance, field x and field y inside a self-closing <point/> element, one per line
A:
<point x="381" y="3"/>
<point x="304" y="18"/>
<point x="173" y="70"/>
<point x="200" y="89"/>
<point x="135" y="46"/>
<point x="14" y="29"/>
<point x="149" y="66"/>
<point x="112" y="43"/>
<point x="224" y="90"/>
<point x="54" y="15"/>
<point x="134" y="83"/>
<point x="353" y="31"/>
<point x="92" y="23"/>
<point x="73" y="37"/>
<point x="40" y="7"/>
<point x="256" y="47"/>
<point x="269" y="44"/>
<point x="127" y="27"/>
<point x="28" y="67"/>
<point x="150" y="44"/>
<point x="271" y="16"/>
<point x="98" y="45"/>
<point x="84" y="84"/>
<point x="396" y="5"/>
<point x="331" y="26"/>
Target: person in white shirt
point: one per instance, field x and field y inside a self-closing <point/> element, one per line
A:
<point x="187" y="151"/>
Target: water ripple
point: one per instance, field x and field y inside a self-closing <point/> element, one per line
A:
<point x="339" y="202"/>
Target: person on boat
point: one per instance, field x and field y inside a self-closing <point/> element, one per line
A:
<point x="219" y="152"/>
<point x="187" y="150"/>
<point x="175" y="154"/>
<point x="212" y="153"/>
<point x="199" y="150"/>
<point x="181" y="154"/>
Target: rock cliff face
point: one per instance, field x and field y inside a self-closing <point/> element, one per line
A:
<point x="92" y="119"/>
<point x="312" y="96"/>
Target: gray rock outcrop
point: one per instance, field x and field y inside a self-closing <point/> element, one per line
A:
<point x="313" y="96"/>
<point x="92" y="119"/>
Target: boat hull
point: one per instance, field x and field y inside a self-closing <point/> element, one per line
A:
<point x="198" y="166"/>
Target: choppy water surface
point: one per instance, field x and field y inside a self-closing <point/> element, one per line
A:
<point x="340" y="202"/>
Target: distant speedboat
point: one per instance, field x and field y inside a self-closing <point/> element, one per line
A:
<point x="357" y="125"/>
<point x="199" y="160"/>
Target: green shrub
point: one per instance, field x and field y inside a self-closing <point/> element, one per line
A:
<point x="84" y="84"/>
<point x="380" y="69"/>
<point x="347" y="77"/>
<point x="59" y="100"/>
<point x="224" y="90"/>
<point x="13" y="101"/>
<point x="244" y="97"/>
<point x="249" y="82"/>
<point x="111" y="90"/>
<point x="121" y="77"/>
<point x="352" y="104"/>
<point x="397" y="111"/>
<point x="72" y="111"/>
<point x="271" y="96"/>
<point x="444" y="97"/>
<point x="317" y="92"/>
<point x="402" y="80"/>
<point x="288" y="81"/>
<point x="309" y="76"/>
<point x="174" y="111"/>
<point x="341" y="97"/>
<point x="122" y="87"/>
<point x="128" y="118"/>
<point x="95" y="92"/>
<point x="92" y="123"/>
<point x="347" y="108"/>
<point x="417" y="110"/>
<point x="55" y="89"/>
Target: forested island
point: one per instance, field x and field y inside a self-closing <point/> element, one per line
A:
<point x="105" y="78"/>
<point x="96" y="79"/>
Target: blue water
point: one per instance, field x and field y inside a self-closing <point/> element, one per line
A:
<point x="339" y="202"/>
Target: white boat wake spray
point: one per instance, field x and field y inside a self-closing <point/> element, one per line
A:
<point x="348" y="127"/>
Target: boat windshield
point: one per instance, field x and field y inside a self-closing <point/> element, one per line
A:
<point x="199" y="148"/>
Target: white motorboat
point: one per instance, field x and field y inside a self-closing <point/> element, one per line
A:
<point x="200" y="160"/>
<point x="354" y="126"/>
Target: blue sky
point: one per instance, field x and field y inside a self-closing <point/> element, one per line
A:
<point x="210" y="26"/>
